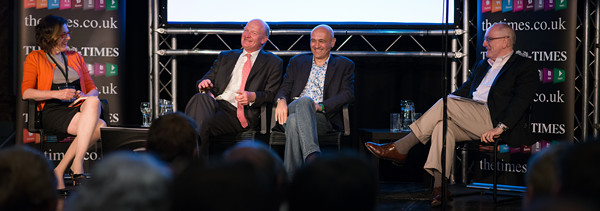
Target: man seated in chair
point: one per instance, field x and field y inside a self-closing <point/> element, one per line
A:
<point x="492" y="103"/>
<point x="316" y="86"/>
<point x="235" y="87"/>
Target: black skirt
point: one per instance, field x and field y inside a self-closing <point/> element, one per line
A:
<point x="57" y="115"/>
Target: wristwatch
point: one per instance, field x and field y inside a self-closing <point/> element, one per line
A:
<point x="502" y="126"/>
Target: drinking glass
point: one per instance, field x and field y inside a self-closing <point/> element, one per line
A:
<point x="146" y="109"/>
<point x="407" y="113"/>
<point x="395" y="124"/>
<point x="165" y="107"/>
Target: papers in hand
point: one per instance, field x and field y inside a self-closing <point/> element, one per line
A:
<point x="456" y="97"/>
<point x="77" y="102"/>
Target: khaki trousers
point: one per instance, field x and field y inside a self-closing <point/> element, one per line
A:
<point x="467" y="120"/>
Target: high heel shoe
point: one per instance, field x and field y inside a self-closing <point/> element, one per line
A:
<point x="78" y="178"/>
<point x="63" y="192"/>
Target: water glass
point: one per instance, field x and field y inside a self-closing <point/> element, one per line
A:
<point x="165" y="107"/>
<point x="146" y="109"/>
<point x="407" y="114"/>
<point x="395" y="123"/>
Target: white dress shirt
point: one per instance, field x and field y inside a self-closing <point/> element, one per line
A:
<point x="236" y="78"/>
<point x="483" y="90"/>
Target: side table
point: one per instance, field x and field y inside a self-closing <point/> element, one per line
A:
<point x="123" y="138"/>
<point x="376" y="135"/>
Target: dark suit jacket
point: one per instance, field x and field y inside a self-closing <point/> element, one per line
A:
<point x="510" y="97"/>
<point x="338" y="88"/>
<point x="264" y="78"/>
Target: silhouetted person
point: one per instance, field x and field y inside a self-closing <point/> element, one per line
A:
<point x="340" y="182"/>
<point x="223" y="187"/>
<point x="173" y="138"/>
<point x="541" y="178"/>
<point x="579" y="172"/>
<point x="26" y="180"/>
<point x="264" y="159"/>
<point x="124" y="181"/>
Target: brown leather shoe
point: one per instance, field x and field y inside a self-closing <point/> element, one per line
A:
<point x="436" y="196"/>
<point x="386" y="151"/>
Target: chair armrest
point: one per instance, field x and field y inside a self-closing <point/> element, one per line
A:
<point x="263" y="118"/>
<point x="346" y="116"/>
<point x="272" y="118"/>
<point x="104" y="112"/>
<point x="32" y="116"/>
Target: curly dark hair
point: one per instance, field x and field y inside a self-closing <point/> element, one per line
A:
<point x="48" y="31"/>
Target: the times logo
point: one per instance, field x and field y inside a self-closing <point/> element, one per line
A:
<point x="110" y="23"/>
<point x="110" y="89"/>
<point x="502" y="166"/>
<point x="57" y="156"/>
<point x="548" y="128"/>
<point x="549" y="56"/>
<point x="549" y="97"/>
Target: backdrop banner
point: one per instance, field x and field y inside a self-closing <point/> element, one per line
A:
<point x="545" y="33"/>
<point x="97" y="33"/>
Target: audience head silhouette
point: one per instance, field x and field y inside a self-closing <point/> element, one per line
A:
<point x="26" y="180"/>
<point x="340" y="182"/>
<point x="578" y="172"/>
<point x="223" y="186"/>
<point x="173" y="137"/>
<point x="124" y="181"/>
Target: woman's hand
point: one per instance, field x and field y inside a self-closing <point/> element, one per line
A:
<point x="66" y="94"/>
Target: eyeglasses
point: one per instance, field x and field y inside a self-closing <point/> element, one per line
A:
<point x="65" y="34"/>
<point x="488" y="39"/>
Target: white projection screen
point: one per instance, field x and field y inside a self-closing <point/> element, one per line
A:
<point x="347" y="12"/>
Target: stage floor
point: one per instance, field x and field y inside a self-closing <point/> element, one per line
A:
<point x="414" y="196"/>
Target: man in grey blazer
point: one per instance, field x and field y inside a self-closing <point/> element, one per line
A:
<point x="235" y="87"/>
<point x="494" y="102"/>
<point x="316" y="86"/>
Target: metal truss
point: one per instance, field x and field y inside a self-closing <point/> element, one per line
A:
<point x="163" y="48"/>
<point x="365" y="42"/>
<point x="587" y="84"/>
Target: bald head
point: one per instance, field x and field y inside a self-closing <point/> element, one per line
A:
<point x="255" y="35"/>
<point x="499" y="40"/>
<point x="265" y="26"/>
<point x="321" y="43"/>
<point x="325" y="29"/>
<point x="505" y="30"/>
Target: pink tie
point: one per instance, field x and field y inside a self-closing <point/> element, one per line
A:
<point x="245" y="73"/>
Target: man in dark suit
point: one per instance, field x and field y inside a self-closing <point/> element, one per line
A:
<point x="492" y="103"/>
<point x="235" y="87"/>
<point x="317" y="86"/>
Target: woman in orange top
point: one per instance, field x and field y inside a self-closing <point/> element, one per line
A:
<point x="54" y="85"/>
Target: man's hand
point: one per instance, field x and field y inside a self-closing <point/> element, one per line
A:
<point x="488" y="136"/>
<point x="317" y="107"/>
<point x="281" y="111"/>
<point x="205" y="85"/>
<point x="245" y="98"/>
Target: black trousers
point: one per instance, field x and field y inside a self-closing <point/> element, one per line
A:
<point x="214" y="117"/>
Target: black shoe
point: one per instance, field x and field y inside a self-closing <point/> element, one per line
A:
<point x="63" y="192"/>
<point x="78" y="178"/>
